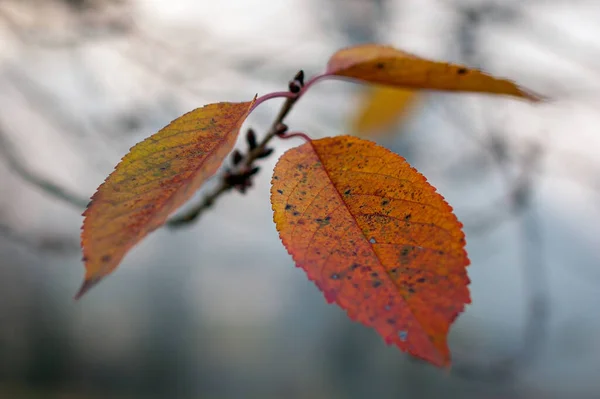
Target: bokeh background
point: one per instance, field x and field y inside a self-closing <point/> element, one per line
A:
<point x="218" y="310"/>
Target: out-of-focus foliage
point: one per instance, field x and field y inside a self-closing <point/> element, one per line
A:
<point x="381" y="108"/>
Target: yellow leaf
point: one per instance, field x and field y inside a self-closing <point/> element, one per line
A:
<point x="156" y="177"/>
<point x="388" y="66"/>
<point x="381" y="108"/>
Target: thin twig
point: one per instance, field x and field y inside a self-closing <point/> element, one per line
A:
<point x="225" y="184"/>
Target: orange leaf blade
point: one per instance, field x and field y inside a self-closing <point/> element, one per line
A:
<point x="388" y="66"/>
<point x="156" y="177"/>
<point x="376" y="238"/>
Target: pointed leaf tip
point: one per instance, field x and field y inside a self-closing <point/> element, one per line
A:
<point x="385" y="65"/>
<point x="156" y="177"/>
<point x="85" y="287"/>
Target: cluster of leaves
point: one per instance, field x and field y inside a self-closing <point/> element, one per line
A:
<point x="367" y="228"/>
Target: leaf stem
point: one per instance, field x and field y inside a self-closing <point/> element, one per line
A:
<point x="252" y="155"/>
<point x="291" y="135"/>
<point x="276" y="94"/>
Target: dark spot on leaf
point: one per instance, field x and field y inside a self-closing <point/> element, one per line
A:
<point x="288" y="207"/>
<point x="391" y="321"/>
<point x="280" y="191"/>
<point x="411" y="290"/>
<point x="323" y="222"/>
<point x="407" y="217"/>
<point x="385" y="201"/>
<point x="105" y="258"/>
<point x="421" y="280"/>
<point x="379" y="65"/>
<point x="355" y="285"/>
<point x="461" y="71"/>
<point x="374" y="274"/>
<point x="296" y="213"/>
<point x="275" y="177"/>
<point x="354" y="266"/>
<point x="441" y="252"/>
<point x="405" y="251"/>
<point x="376" y="284"/>
<point x="347" y="192"/>
<point x="84" y="259"/>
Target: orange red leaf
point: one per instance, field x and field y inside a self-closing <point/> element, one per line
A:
<point x="157" y="176"/>
<point x="388" y="66"/>
<point x="376" y="238"/>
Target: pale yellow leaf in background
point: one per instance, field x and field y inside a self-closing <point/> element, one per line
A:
<point x="381" y="108"/>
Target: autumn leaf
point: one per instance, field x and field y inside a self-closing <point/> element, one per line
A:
<point x="388" y="66"/>
<point x="381" y="108"/>
<point x="156" y="177"/>
<point x="376" y="238"/>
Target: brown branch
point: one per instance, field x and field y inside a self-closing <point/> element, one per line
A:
<point x="246" y="167"/>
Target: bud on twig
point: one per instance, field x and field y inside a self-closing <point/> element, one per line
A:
<point x="300" y="77"/>
<point x="280" y="129"/>
<point x="265" y="153"/>
<point x="251" y="139"/>
<point x="236" y="157"/>
<point x="253" y="171"/>
<point x="294" y="86"/>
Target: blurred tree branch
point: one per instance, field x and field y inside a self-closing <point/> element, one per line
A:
<point x="16" y="164"/>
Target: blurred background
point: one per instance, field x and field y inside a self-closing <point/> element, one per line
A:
<point x="218" y="310"/>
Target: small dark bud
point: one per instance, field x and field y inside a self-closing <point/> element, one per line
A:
<point x="241" y="188"/>
<point x="280" y="129"/>
<point x="251" y="139"/>
<point x="265" y="153"/>
<point x="233" y="179"/>
<point x="294" y="87"/>
<point x="253" y="171"/>
<point x="236" y="157"/>
<point x="300" y="77"/>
